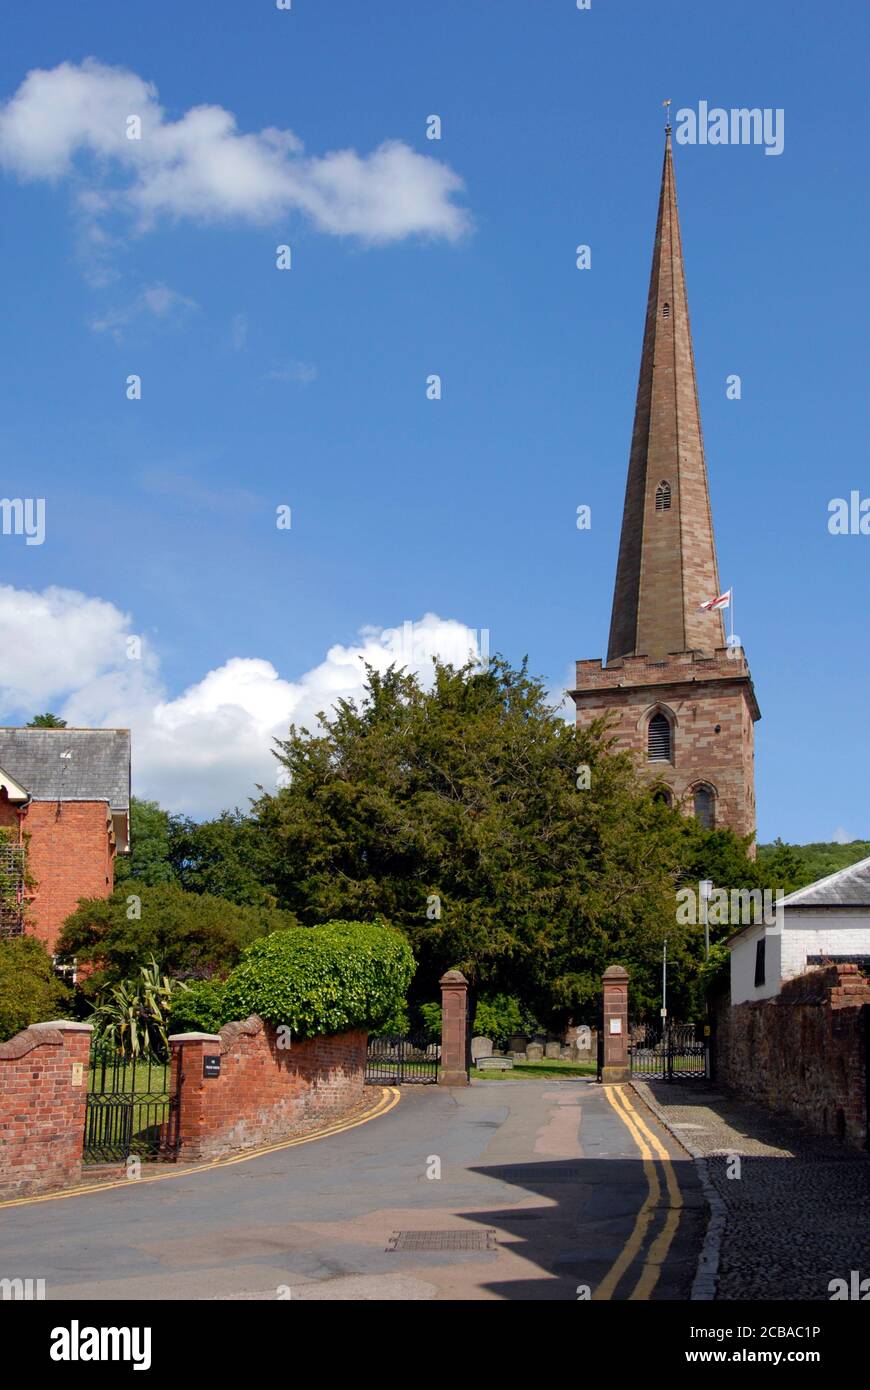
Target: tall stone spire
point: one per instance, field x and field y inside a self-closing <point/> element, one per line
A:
<point x="667" y="554"/>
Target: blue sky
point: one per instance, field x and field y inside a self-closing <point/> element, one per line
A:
<point x="308" y="387"/>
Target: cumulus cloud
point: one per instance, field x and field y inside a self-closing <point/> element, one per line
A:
<point x="207" y="747"/>
<point x="201" y="166"/>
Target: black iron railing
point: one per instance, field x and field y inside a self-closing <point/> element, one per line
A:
<point x="402" y="1060"/>
<point x="667" y="1054"/>
<point x="131" y="1108"/>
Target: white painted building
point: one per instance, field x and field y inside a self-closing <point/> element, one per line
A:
<point x="826" y="921"/>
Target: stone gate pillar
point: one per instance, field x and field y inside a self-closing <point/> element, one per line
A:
<point x="614" y="1015"/>
<point x="454" y="1023"/>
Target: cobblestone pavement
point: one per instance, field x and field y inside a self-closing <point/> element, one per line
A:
<point x="797" y="1216"/>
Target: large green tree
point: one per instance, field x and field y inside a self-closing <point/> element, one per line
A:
<point x="149" y="860"/>
<point x="500" y="838"/>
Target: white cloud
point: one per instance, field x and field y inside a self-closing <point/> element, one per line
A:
<point x="841" y="836"/>
<point x="207" y="747"/>
<point x="201" y="166"/>
<point x="154" y="302"/>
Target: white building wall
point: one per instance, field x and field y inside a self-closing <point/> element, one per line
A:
<point x="803" y="935"/>
<point x="835" y="934"/>
<point x="743" y="952"/>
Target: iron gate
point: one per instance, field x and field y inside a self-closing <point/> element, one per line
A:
<point x="667" y="1053"/>
<point x="403" y="1060"/>
<point x="131" y="1107"/>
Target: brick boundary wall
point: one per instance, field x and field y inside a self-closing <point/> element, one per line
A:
<point x="803" y="1052"/>
<point x="43" y="1093"/>
<point x="264" y="1092"/>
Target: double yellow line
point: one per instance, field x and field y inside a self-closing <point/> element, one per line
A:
<point x="651" y="1148"/>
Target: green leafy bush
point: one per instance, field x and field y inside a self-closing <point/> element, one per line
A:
<point x="323" y="979"/>
<point x="30" y="991"/>
<point x="200" y="1009"/>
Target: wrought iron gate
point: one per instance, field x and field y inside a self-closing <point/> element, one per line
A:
<point x="131" y="1108"/>
<point x="667" y="1054"/>
<point x="403" y="1060"/>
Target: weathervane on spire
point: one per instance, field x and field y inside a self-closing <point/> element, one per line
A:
<point x="667" y="106"/>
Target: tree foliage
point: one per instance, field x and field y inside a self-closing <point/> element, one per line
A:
<point x="311" y="980"/>
<point x="458" y="814"/>
<point x="193" y="935"/>
<point x="30" y="991"/>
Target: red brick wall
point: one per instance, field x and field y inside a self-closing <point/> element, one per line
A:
<point x="700" y="693"/>
<point x="70" y="856"/>
<point x="42" y="1107"/>
<point x="264" y="1092"/>
<point x="803" y="1051"/>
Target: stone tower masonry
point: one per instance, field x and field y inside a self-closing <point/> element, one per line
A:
<point x="680" y="696"/>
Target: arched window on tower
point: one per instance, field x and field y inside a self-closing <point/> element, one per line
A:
<point x="666" y="311"/>
<point x="663" y="794"/>
<point x="705" y="806"/>
<point x="663" y="497"/>
<point x="658" y="739"/>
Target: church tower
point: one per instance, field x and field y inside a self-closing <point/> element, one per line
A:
<point x="681" y="695"/>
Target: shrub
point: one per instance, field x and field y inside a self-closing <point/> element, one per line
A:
<point x="199" y="1009"/>
<point x="30" y="992"/>
<point x="314" y="980"/>
<point x="193" y="935"/>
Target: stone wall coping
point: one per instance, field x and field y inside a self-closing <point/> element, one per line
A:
<point x="66" y="1025"/>
<point x="27" y="1040"/>
<point x="194" y="1037"/>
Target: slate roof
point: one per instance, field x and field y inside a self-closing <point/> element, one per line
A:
<point x="848" y="887"/>
<point x="98" y="770"/>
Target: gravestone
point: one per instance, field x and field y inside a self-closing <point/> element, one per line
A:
<point x="534" y="1052"/>
<point x="553" y="1049"/>
<point x="516" y="1043"/>
<point x="481" y="1047"/>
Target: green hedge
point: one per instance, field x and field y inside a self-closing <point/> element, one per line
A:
<point x="315" y="980"/>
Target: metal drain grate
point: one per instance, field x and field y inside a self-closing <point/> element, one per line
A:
<point x="533" y="1177"/>
<point x="442" y="1240"/>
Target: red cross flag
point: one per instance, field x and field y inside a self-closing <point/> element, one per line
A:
<point x="723" y="601"/>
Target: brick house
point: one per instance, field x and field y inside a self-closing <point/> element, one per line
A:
<point x="65" y="795"/>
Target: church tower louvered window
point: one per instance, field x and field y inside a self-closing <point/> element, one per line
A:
<point x="659" y="739"/>
<point x="663" y="497"/>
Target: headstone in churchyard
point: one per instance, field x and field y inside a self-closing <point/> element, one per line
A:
<point x="534" y="1052"/>
<point x="481" y="1047"/>
<point x="553" y="1049"/>
<point x="516" y="1042"/>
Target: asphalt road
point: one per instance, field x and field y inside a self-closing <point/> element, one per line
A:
<point x="547" y="1190"/>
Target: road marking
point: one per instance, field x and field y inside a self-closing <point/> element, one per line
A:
<point x="390" y="1097"/>
<point x="650" y="1148"/>
<point x="661" y="1245"/>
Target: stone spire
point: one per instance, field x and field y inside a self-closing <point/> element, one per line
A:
<point x="667" y="554"/>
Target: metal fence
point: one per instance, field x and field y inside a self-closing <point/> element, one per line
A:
<point x="403" y="1060"/>
<point x="667" y="1054"/>
<point x="131" y="1108"/>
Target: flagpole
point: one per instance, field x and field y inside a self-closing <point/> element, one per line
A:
<point x="731" y="608"/>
